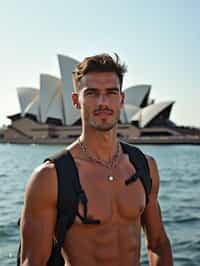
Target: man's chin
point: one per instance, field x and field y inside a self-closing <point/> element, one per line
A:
<point x="104" y="128"/>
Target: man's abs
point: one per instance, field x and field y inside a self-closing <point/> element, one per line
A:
<point x="95" y="245"/>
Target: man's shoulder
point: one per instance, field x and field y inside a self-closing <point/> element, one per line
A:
<point x="150" y="159"/>
<point x="43" y="182"/>
<point x="69" y="151"/>
<point x="151" y="162"/>
<point x="44" y="171"/>
<point x="129" y="147"/>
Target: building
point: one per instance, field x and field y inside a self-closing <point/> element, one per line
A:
<point x="47" y="114"/>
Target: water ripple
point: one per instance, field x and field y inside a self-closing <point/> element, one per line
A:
<point x="179" y="169"/>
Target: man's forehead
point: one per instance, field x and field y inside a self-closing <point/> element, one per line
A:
<point x="103" y="78"/>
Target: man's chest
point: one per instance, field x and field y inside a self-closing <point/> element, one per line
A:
<point x="111" y="200"/>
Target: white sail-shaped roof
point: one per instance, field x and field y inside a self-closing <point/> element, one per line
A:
<point x="51" y="101"/>
<point x="147" y="114"/>
<point x="67" y="66"/>
<point x="33" y="107"/>
<point x="25" y="96"/>
<point x="127" y="112"/>
<point x="135" y="95"/>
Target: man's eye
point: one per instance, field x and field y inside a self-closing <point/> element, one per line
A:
<point x="113" y="92"/>
<point x="91" y="93"/>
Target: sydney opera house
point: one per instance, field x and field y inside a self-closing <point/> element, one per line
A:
<point x="47" y="115"/>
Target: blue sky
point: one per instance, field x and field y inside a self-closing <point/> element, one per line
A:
<point x="158" y="40"/>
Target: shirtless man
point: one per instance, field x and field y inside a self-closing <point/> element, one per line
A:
<point x="102" y="168"/>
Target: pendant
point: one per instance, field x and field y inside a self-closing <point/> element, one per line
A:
<point x="111" y="178"/>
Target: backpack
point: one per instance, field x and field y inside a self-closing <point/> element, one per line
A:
<point x="70" y="193"/>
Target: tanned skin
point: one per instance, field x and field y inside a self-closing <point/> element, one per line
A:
<point x="121" y="209"/>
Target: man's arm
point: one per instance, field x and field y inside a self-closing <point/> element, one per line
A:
<point x="39" y="216"/>
<point x="158" y="244"/>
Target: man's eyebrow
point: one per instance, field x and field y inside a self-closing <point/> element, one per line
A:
<point x="87" y="89"/>
<point x="90" y="89"/>
<point x="113" y="89"/>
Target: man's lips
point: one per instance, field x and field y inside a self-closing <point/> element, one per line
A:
<point x="103" y="113"/>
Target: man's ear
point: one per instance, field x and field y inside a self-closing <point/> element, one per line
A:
<point x="75" y="100"/>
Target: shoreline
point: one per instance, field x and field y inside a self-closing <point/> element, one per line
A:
<point x="173" y="140"/>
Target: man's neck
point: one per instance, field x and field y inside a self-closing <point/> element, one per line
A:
<point x="102" y="145"/>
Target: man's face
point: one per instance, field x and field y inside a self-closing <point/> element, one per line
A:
<point x="100" y="100"/>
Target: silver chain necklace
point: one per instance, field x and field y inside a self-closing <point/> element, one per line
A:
<point x="109" y="165"/>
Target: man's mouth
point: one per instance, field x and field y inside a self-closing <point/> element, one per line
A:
<point x="103" y="112"/>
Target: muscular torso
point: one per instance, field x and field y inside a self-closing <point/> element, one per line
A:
<point x="116" y="240"/>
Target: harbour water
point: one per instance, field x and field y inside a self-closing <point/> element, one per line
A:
<point x="179" y="196"/>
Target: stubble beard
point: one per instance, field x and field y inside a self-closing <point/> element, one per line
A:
<point x="101" y="126"/>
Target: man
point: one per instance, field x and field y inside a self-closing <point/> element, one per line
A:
<point x="102" y="168"/>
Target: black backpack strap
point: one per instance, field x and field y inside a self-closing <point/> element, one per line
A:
<point x="68" y="189"/>
<point x="70" y="193"/>
<point x="67" y="201"/>
<point x="140" y="163"/>
<point x="76" y="186"/>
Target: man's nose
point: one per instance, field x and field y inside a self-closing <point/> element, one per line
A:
<point x="102" y="99"/>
